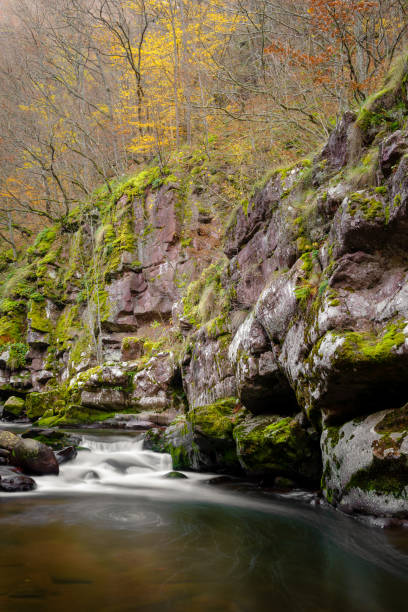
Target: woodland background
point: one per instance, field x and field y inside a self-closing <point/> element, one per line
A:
<point x="93" y="89"/>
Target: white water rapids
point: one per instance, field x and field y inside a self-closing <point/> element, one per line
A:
<point x="114" y="465"/>
<point x="114" y="462"/>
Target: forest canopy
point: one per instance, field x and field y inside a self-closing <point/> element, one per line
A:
<point x="89" y="89"/>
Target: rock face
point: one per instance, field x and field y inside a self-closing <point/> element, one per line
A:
<point x="299" y="328"/>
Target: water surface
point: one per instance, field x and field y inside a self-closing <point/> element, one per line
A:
<point x="111" y="533"/>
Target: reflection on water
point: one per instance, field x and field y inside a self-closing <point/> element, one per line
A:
<point x="128" y="539"/>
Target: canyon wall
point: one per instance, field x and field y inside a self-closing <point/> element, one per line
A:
<point x="274" y="347"/>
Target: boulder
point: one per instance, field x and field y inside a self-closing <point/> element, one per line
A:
<point x="365" y="464"/>
<point x="34" y="457"/>
<point x="66" y="454"/>
<point x="13" y="481"/>
<point x="51" y="437"/>
<point x="8" y="440"/>
<point x="202" y="439"/>
<point x="13" y="407"/>
<point x="274" y="445"/>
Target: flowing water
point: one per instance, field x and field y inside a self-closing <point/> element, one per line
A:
<point x="111" y="533"/>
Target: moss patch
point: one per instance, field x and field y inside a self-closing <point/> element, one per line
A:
<point x="394" y="421"/>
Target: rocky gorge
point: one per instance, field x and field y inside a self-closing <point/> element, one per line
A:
<point x="276" y="349"/>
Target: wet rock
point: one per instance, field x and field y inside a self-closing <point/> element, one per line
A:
<point x="66" y="454"/>
<point x="13" y="481"/>
<point x="174" y="476"/>
<point x="272" y="445"/>
<point x="201" y="440"/>
<point x="34" y="457"/>
<point x="13" y="407"/>
<point x="51" y="437"/>
<point x="8" y="440"/>
<point x="153" y="386"/>
<point x="104" y="399"/>
<point x="132" y="348"/>
<point x="365" y="464"/>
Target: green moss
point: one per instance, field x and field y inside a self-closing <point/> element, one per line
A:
<point x="43" y="242"/>
<point x="322" y="287"/>
<point x="17" y="355"/>
<point x="366" y="346"/>
<point x="394" y="421"/>
<point x="76" y="415"/>
<point x="66" y="328"/>
<point x="383" y="190"/>
<point x="277" y="445"/>
<point x="214" y="420"/>
<point x="14" y="406"/>
<point x="207" y="298"/>
<point x="218" y="326"/>
<point x="130" y="341"/>
<point x="303" y="293"/>
<point x="38" y="317"/>
<point x="10" y="307"/>
<point x="383" y="107"/>
<point x="383" y="478"/>
<point x="38" y="403"/>
<point x="12" y="328"/>
<point x="333" y="436"/>
<point x="369" y="207"/>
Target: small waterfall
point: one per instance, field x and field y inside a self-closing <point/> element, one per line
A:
<point x="117" y="445"/>
<point x="110" y="464"/>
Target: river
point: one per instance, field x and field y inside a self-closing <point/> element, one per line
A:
<point x="112" y="534"/>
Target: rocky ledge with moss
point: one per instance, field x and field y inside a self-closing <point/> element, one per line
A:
<point x="282" y="354"/>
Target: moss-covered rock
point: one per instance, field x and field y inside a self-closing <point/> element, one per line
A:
<point x="8" y="440"/>
<point x="272" y="445"/>
<point x="177" y="440"/>
<point x="38" y="403"/>
<point x="34" y="457"/>
<point x="366" y="464"/>
<point x="202" y="439"/>
<point x="13" y="407"/>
